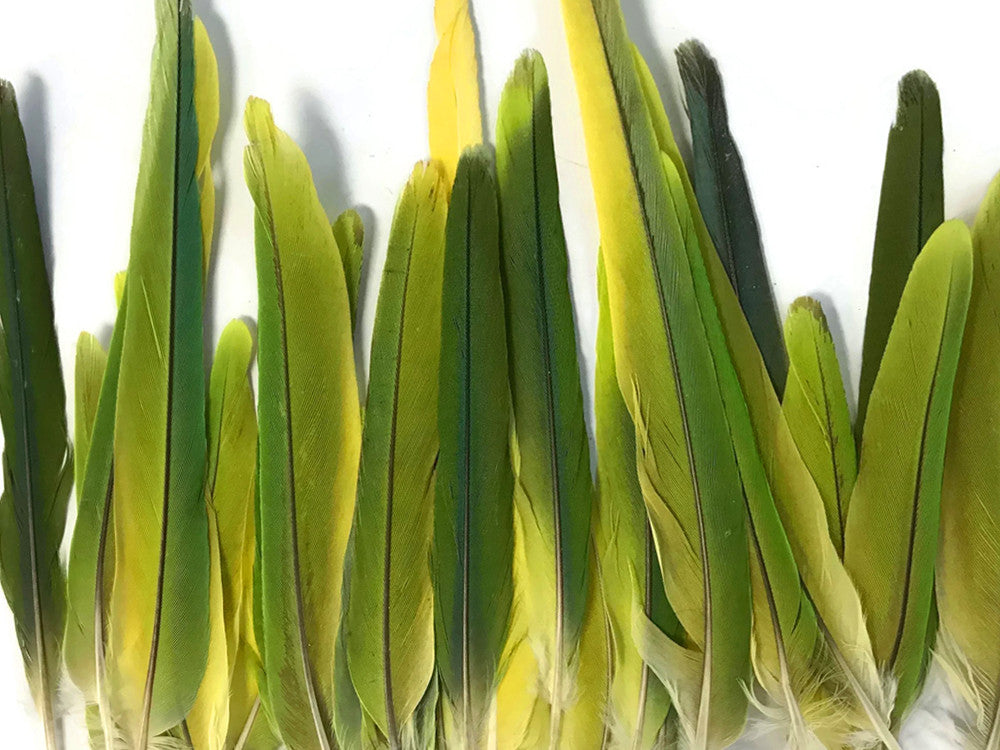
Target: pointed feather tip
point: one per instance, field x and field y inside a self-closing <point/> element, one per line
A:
<point x="698" y="68"/>
<point x="916" y="89"/>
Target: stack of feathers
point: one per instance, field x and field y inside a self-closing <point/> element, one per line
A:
<point x="432" y="565"/>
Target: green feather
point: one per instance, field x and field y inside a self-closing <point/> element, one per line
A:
<point x="310" y="433"/>
<point x="910" y="209"/>
<point x="891" y="536"/>
<point x="968" y="570"/>
<point x="725" y="203"/>
<point x="687" y="470"/>
<point x="815" y="407"/>
<point x="37" y="462"/>
<point x="390" y="617"/>
<point x="159" y="597"/>
<point x="554" y="489"/>
<point x="473" y="505"/>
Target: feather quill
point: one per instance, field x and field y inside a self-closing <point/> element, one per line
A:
<point x="725" y="203"/>
<point x="891" y="538"/>
<point x="911" y="207"/>
<point x="310" y="432"/>
<point x="968" y="570"/>
<point x="390" y="616"/>
<point x="815" y="407"/>
<point x="553" y="491"/>
<point x="473" y="507"/>
<point x="37" y="461"/>
<point x="687" y="471"/>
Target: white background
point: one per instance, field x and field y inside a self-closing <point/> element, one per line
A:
<point x="811" y="93"/>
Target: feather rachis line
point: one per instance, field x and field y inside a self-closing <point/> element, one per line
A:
<point x="147" y="703"/>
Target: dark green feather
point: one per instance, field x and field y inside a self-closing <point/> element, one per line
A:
<point x="473" y="507"/>
<point x="38" y="466"/>
<point x="910" y="209"/>
<point x="724" y="199"/>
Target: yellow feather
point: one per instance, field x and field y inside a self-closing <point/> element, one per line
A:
<point x="454" y="118"/>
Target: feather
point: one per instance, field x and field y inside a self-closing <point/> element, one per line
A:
<point x="390" y="616"/>
<point x="310" y="432"/>
<point x="794" y="493"/>
<point x="229" y="690"/>
<point x="639" y="703"/>
<point x="815" y="407"/>
<point x="910" y="209"/>
<point x="687" y="470"/>
<point x="473" y="505"/>
<point x="724" y="199"/>
<point x="453" y="113"/>
<point x="968" y="569"/>
<point x="554" y="490"/>
<point x="91" y="558"/>
<point x="584" y="723"/>
<point x="891" y="535"/>
<point x="37" y="461"/>
<point x="349" y="231"/>
<point x="161" y="553"/>
<point x="91" y="361"/>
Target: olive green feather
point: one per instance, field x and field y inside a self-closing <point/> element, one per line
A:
<point x="309" y="433"/>
<point x="891" y="538"/>
<point x="473" y="504"/>
<point x="37" y="461"/>
<point x="390" y="615"/>
<point x="815" y="407"/>
<point x="554" y="489"/>
<point x="911" y="207"/>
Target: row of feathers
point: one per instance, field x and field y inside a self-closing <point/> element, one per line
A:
<point x="434" y="566"/>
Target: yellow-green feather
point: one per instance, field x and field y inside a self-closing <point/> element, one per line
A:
<point x="968" y="569"/>
<point x="815" y="407"/>
<point x="310" y="433"/>
<point x="891" y="538"/>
